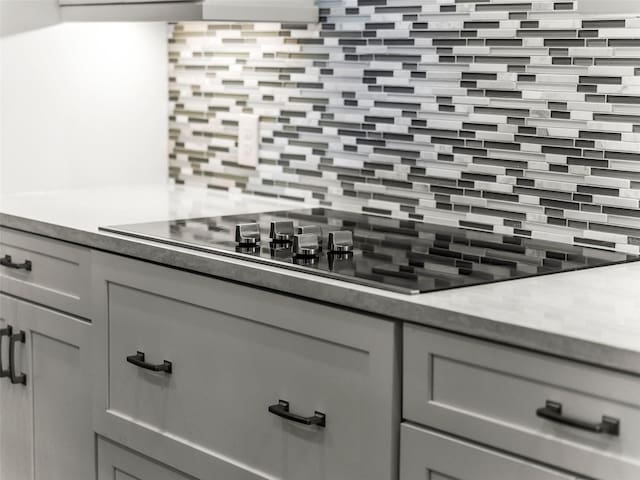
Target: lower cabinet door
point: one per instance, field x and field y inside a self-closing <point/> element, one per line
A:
<point x="45" y="395"/>
<point x="425" y="454"/>
<point x="119" y="463"/>
<point x="15" y="406"/>
<point x="222" y="381"/>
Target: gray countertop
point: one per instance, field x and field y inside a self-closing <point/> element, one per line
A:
<point x="589" y="315"/>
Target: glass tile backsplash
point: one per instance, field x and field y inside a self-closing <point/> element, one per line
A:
<point x="518" y="118"/>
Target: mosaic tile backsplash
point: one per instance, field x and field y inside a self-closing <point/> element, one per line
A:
<point x="518" y="117"/>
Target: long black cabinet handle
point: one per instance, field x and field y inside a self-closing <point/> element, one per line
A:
<point x="15" y="338"/>
<point x="281" y="409"/>
<point x="138" y="361"/>
<point x="5" y="332"/>
<point x="7" y="261"/>
<point x="553" y="411"/>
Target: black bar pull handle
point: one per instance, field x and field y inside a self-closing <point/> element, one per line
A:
<point x="5" y="332"/>
<point x="281" y="409"/>
<point x="553" y="411"/>
<point x="138" y="361"/>
<point x="7" y="261"/>
<point x="15" y="338"/>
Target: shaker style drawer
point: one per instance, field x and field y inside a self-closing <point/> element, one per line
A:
<point x="260" y="385"/>
<point x="117" y="463"/>
<point x="433" y="456"/>
<point x="575" y="416"/>
<point x="45" y="271"/>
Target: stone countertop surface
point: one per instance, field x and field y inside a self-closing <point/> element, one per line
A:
<point x="589" y="315"/>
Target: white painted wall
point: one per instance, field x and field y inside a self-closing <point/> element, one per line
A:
<point x="82" y="105"/>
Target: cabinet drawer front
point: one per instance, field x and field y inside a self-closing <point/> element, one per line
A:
<point x="58" y="275"/>
<point x="118" y="463"/>
<point x="496" y="395"/>
<point x="431" y="455"/>
<point x="230" y="363"/>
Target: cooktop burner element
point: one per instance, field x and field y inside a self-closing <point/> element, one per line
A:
<point x="397" y="255"/>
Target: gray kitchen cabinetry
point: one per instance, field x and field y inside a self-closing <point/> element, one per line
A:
<point x="193" y="377"/>
<point x="45" y="271"/>
<point x="45" y="399"/>
<point x="118" y="463"/>
<point x="434" y="456"/>
<point x="574" y="416"/>
<point x="219" y="380"/>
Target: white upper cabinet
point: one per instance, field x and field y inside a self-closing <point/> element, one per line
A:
<point x="190" y="10"/>
<point x="260" y="10"/>
<point x="106" y="2"/>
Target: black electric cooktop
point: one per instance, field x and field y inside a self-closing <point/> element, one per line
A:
<point x="398" y="255"/>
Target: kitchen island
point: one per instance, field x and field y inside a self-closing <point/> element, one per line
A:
<point x="588" y="315"/>
<point x="182" y="364"/>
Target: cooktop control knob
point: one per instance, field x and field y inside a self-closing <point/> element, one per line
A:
<point x="247" y="234"/>
<point x="315" y="229"/>
<point x="306" y="245"/>
<point x="340" y="241"/>
<point x="281" y="231"/>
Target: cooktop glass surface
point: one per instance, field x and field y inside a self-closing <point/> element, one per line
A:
<point x="399" y="255"/>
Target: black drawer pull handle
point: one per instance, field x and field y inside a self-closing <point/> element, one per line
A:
<point x="15" y="338"/>
<point x="138" y="361"/>
<point x="6" y="261"/>
<point x="281" y="409"/>
<point x="553" y="411"/>
<point x="5" y="332"/>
